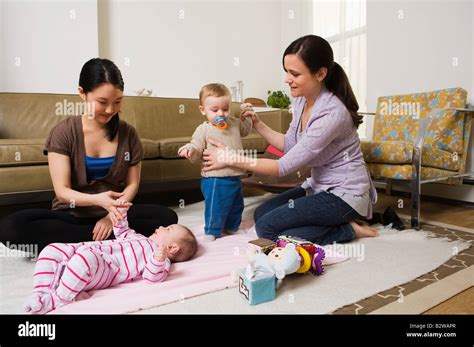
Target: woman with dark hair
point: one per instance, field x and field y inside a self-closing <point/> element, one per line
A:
<point x="94" y="162"/>
<point x="322" y="135"/>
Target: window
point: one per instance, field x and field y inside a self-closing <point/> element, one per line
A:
<point x="343" y="24"/>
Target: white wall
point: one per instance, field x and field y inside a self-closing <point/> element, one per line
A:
<point x="415" y="54"/>
<point x="472" y="46"/>
<point x="176" y="47"/>
<point x="44" y="44"/>
<point x="296" y="21"/>
<point x="1" y="46"/>
<point x="172" y="47"/>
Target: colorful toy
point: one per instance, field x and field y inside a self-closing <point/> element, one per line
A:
<point x="260" y="246"/>
<point x="312" y="256"/>
<point x="220" y="123"/>
<point x="265" y="273"/>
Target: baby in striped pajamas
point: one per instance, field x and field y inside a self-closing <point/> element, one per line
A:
<point x="63" y="270"/>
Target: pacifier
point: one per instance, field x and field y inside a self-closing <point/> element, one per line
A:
<point x="220" y="123"/>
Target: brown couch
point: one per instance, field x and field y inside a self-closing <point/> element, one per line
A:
<point x="163" y="124"/>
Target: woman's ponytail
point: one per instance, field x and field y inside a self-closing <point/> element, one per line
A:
<point x="338" y="83"/>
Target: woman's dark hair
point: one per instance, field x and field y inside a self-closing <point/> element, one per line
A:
<point x="316" y="53"/>
<point x="98" y="71"/>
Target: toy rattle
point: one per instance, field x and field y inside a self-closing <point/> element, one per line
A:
<point x="311" y="255"/>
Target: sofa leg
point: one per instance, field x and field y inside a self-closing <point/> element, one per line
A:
<point x="415" y="202"/>
<point x="388" y="187"/>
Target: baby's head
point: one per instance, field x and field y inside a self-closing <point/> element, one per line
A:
<point x="214" y="101"/>
<point x="179" y="242"/>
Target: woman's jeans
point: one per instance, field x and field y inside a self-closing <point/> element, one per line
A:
<point x="322" y="218"/>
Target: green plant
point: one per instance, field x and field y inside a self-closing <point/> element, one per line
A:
<point x="278" y="99"/>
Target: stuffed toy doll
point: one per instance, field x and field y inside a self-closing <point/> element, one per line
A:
<point x="264" y="274"/>
<point x="281" y="261"/>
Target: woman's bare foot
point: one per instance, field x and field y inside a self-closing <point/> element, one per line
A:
<point x="364" y="230"/>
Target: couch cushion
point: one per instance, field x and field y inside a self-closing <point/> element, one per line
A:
<point x="255" y="141"/>
<point x="16" y="152"/>
<point x="169" y="147"/>
<point x="446" y="130"/>
<point x="446" y="98"/>
<point x="398" y="116"/>
<point x="441" y="159"/>
<point x="162" y="118"/>
<point x="393" y="152"/>
<point x="151" y="149"/>
<point x="401" y="152"/>
<point x="27" y="178"/>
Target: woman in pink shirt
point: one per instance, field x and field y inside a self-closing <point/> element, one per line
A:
<point x="322" y="135"/>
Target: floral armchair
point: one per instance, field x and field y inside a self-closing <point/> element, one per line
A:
<point x="420" y="138"/>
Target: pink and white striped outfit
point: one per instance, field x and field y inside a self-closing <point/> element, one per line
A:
<point x="64" y="270"/>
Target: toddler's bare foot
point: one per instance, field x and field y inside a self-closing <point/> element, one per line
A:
<point x="364" y="230"/>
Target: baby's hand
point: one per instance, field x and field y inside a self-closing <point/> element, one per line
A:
<point x="160" y="254"/>
<point x="246" y="110"/>
<point x="186" y="153"/>
<point x="246" y="107"/>
<point x="122" y="206"/>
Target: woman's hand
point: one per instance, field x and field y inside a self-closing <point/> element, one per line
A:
<point x="214" y="158"/>
<point x="102" y="229"/>
<point x="246" y="110"/>
<point x="110" y="201"/>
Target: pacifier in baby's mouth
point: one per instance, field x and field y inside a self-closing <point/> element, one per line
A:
<point x="220" y="123"/>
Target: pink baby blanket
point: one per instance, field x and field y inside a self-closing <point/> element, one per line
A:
<point x="209" y="271"/>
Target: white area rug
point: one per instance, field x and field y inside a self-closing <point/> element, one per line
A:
<point x="378" y="264"/>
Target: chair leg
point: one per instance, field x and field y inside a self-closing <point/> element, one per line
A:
<point x="415" y="200"/>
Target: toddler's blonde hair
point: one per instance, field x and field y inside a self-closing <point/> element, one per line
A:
<point x="213" y="89"/>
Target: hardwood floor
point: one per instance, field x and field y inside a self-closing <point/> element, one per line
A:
<point x="445" y="212"/>
<point x="463" y="303"/>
